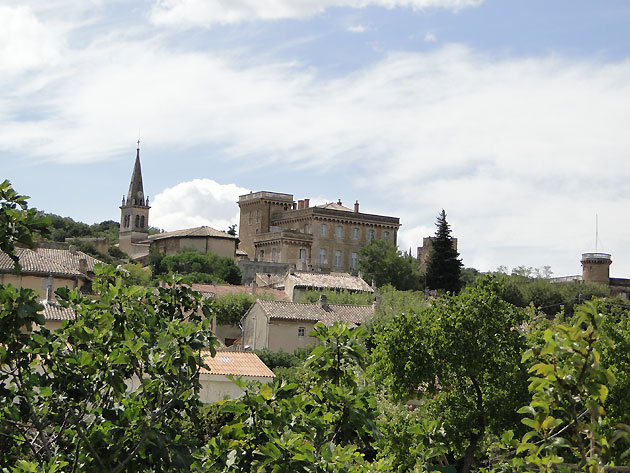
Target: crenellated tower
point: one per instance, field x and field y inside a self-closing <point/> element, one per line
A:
<point x="134" y="211"/>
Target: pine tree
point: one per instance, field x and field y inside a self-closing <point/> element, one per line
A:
<point x="443" y="266"/>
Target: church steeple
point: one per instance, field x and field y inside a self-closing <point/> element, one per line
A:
<point x="134" y="211"/>
<point x="135" y="196"/>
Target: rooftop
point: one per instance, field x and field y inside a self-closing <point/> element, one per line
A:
<point x="236" y="363"/>
<point x="53" y="311"/>
<point x="49" y="261"/>
<point x="203" y="231"/>
<point x="328" y="281"/>
<point x="316" y="312"/>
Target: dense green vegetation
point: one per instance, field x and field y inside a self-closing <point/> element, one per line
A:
<point x="381" y="262"/>
<point x="208" y="268"/>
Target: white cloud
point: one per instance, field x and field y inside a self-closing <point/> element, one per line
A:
<point x="196" y="203"/>
<point x="430" y="37"/>
<point x="356" y="29"/>
<point x="206" y="13"/>
<point x="26" y="42"/>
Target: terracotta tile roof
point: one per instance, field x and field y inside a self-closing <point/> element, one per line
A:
<point x="328" y="281"/>
<point x="218" y="290"/>
<point x="53" y="311"/>
<point x="203" y="231"/>
<point x="236" y="363"/>
<point x="48" y="261"/>
<point x="315" y="312"/>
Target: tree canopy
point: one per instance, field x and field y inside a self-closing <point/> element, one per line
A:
<point x="443" y="266"/>
<point x="462" y="356"/>
<point x="197" y="267"/>
<point x="380" y="261"/>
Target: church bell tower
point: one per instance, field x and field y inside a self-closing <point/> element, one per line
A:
<point x="134" y="211"/>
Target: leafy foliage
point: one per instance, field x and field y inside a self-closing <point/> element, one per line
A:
<point x="18" y="223"/>
<point x="547" y="296"/>
<point x="569" y="387"/>
<point x="380" y="261"/>
<point x="338" y="297"/>
<point x="443" y="265"/>
<point x="197" y="267"/>
<point x="76" y="409"/>
<point x="461" y="356"/>
<point x="325" y="426"/>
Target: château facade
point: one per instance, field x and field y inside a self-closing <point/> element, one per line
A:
<point x="274" y="228"/>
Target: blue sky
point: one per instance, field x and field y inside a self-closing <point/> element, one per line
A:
<point x="511" y="115"/>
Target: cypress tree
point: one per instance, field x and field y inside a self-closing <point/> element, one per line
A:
<point x="443" y="266"/>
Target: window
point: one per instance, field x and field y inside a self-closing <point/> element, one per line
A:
<point x="370" y="234"/>
<point x="338" y="258"/>
<point x="339" y="231"/>
<point x="274" y="255"/>
<point x="355" y="233"/>
<point x="257" y="216"/>
<point x="386" y="235"/>
<point x="301" y="332"/>
<point x="137" y="221"/>
<point x="355" y="261"/>
<point x="142" y="221"/>
<point x="303" y="255"/>
<point x="322" y="256"/>
<point x="249" y="218"/>
<point x="262" y="255"/>
<point x="307" y="228"/>
<point x="324" y="229"/>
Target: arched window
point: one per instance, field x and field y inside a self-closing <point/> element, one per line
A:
<point x="142" y="221"/>
<point x="137" y="221"/>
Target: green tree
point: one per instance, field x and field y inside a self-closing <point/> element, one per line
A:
<point x="18" y="223"/>
<point x="326" y="425"/>
<point x="569" y="388"/>
<point x="461" y="356"/>
<point x="65" y="396"/>
<point x="198" y="267"/>
<point x="444" y="266"/>
<point x="338" y="297"/>
<point x="380" y="261"/>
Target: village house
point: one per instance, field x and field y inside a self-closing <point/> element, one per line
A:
<point x="215" y="386"/>
<point x="202" y="239"/>
<point x="228" y="335"/>
<point x="274" y="228"/>
<point x="284" y="326"/>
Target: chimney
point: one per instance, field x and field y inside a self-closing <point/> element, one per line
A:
<point x="356" y="206"/>
<point x="83" y="267"/>
<point x="300" y="204"/>
<point x="323" y="301"/>
<point x="72" y="249"/>
<point x="254" y="287"/>
<point x="306" y="202"/>
<point x="339" y="202"/>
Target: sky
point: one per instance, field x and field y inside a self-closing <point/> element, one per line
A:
<point x="512" y="116"/>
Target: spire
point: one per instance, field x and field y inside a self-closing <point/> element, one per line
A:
<point x="135" y="196"/>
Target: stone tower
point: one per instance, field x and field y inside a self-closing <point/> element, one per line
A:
<point x="596" y="267"/>
<point x="134" y="212"/>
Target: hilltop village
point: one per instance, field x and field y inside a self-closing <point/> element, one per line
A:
<point x="305" y="338"/>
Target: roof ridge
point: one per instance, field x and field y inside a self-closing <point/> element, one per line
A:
<point x="314" y="303"/>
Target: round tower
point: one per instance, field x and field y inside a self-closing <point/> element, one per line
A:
<point x="596" y="267"/>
